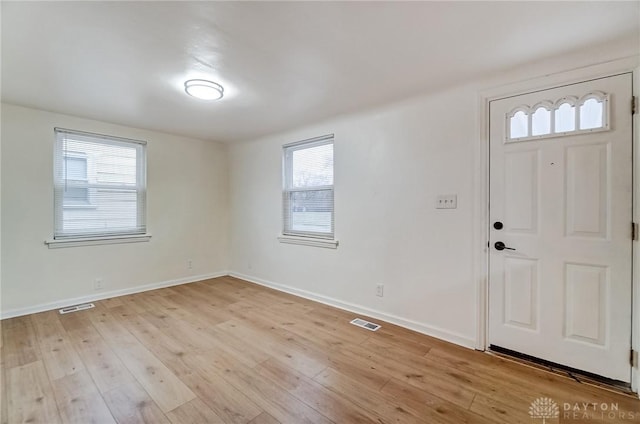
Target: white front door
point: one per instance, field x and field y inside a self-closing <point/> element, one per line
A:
<point x="560" y="225"/>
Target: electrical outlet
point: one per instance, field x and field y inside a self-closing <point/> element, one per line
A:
<point x="98" y="284"/>
<point x="447" y="201"/>
<point x="380" y="290"/>
<point x="190" y="263"/>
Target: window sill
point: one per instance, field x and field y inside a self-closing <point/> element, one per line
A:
<point x="309" y="241"/>
<point x="94" y="241"/>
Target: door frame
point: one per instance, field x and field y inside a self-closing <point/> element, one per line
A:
<point x="481" y="187"/>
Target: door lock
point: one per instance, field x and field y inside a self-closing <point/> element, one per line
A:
<point x="501" y="246"/>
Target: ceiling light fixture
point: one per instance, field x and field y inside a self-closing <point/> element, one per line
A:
<point x="203" y="89"/>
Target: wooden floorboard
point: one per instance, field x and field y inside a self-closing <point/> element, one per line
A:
<point x="228" y="351"/>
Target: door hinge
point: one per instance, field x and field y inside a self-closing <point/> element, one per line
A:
<point x="633" y="358"/>
<point x="634" y="231"/>
<point x="634" y="105"/>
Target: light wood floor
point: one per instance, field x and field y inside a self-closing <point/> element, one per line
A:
<point x="227" y="351"/>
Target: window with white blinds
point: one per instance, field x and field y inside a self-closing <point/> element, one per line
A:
<point x="308" y="188"/>
<point x="99" y="185"/>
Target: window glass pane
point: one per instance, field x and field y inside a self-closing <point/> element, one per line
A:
<point x="519" y="125"/>
<point x="74" y="196"/>
<point x="313" y="166"/>
<point x="75" y="171"/>
<point x="311" y="210"/>
<point x="565" y="118"/>
<point x="75" y="168"/>
<point x="112" y="163"/>
<point x="591" y="112"/>
<point x="541" y="121"/>
<point x="112" y="211"/>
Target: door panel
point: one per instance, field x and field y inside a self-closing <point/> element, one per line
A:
<point x="585" y="303"/>
<point x="521" y="191"/>
<point x="521" y="292"/>
<point x="587" y="193"/>
<point x="564" y="293"/>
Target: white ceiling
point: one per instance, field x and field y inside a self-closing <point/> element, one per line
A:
<point x="283" y="64"/>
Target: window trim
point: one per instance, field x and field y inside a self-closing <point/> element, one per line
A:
<point x="305" y="237"/>
<point x="95" y="241"/>
<point x="309" y="241"/>
<point x="70" y="240"/>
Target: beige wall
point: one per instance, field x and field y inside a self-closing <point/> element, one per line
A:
<point x="187" y="195"/>
<point x="390" y="164"/>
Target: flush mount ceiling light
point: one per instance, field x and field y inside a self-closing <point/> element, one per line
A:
<point x="203" y="89"/>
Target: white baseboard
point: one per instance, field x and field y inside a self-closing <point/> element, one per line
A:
<point x="105" y="295"/>
<point x="393" y="319"/>
<point x="429" y="330"/>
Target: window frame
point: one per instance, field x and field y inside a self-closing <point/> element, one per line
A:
<point x="139" y="233"/>
<point x="553" y="107"/>
<point x="289" y="234"/>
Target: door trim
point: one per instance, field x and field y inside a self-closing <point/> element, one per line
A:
<point x="481" y="186"/>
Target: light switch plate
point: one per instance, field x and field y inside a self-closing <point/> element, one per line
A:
<point x="447" y="201"/>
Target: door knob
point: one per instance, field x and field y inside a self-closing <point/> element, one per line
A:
<point x="501" y="246"/>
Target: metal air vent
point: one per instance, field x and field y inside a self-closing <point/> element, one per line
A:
<point x="365" y="324"/>
<point x="76" y="308"/>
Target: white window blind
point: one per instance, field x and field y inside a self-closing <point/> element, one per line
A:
<point x="308" y="188"/>
<point x="99" y="185"/>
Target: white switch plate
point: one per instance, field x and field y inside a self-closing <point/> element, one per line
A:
<point x="447" y="201"/>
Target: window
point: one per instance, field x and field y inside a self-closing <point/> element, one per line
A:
<point x="547" y="119"/>
<point x="541" y="121"/>
<point x="308" y="188"/>
<point x="99" y="186"/>
<point x="565" y="117"/>
<point x="519" y="124"/>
